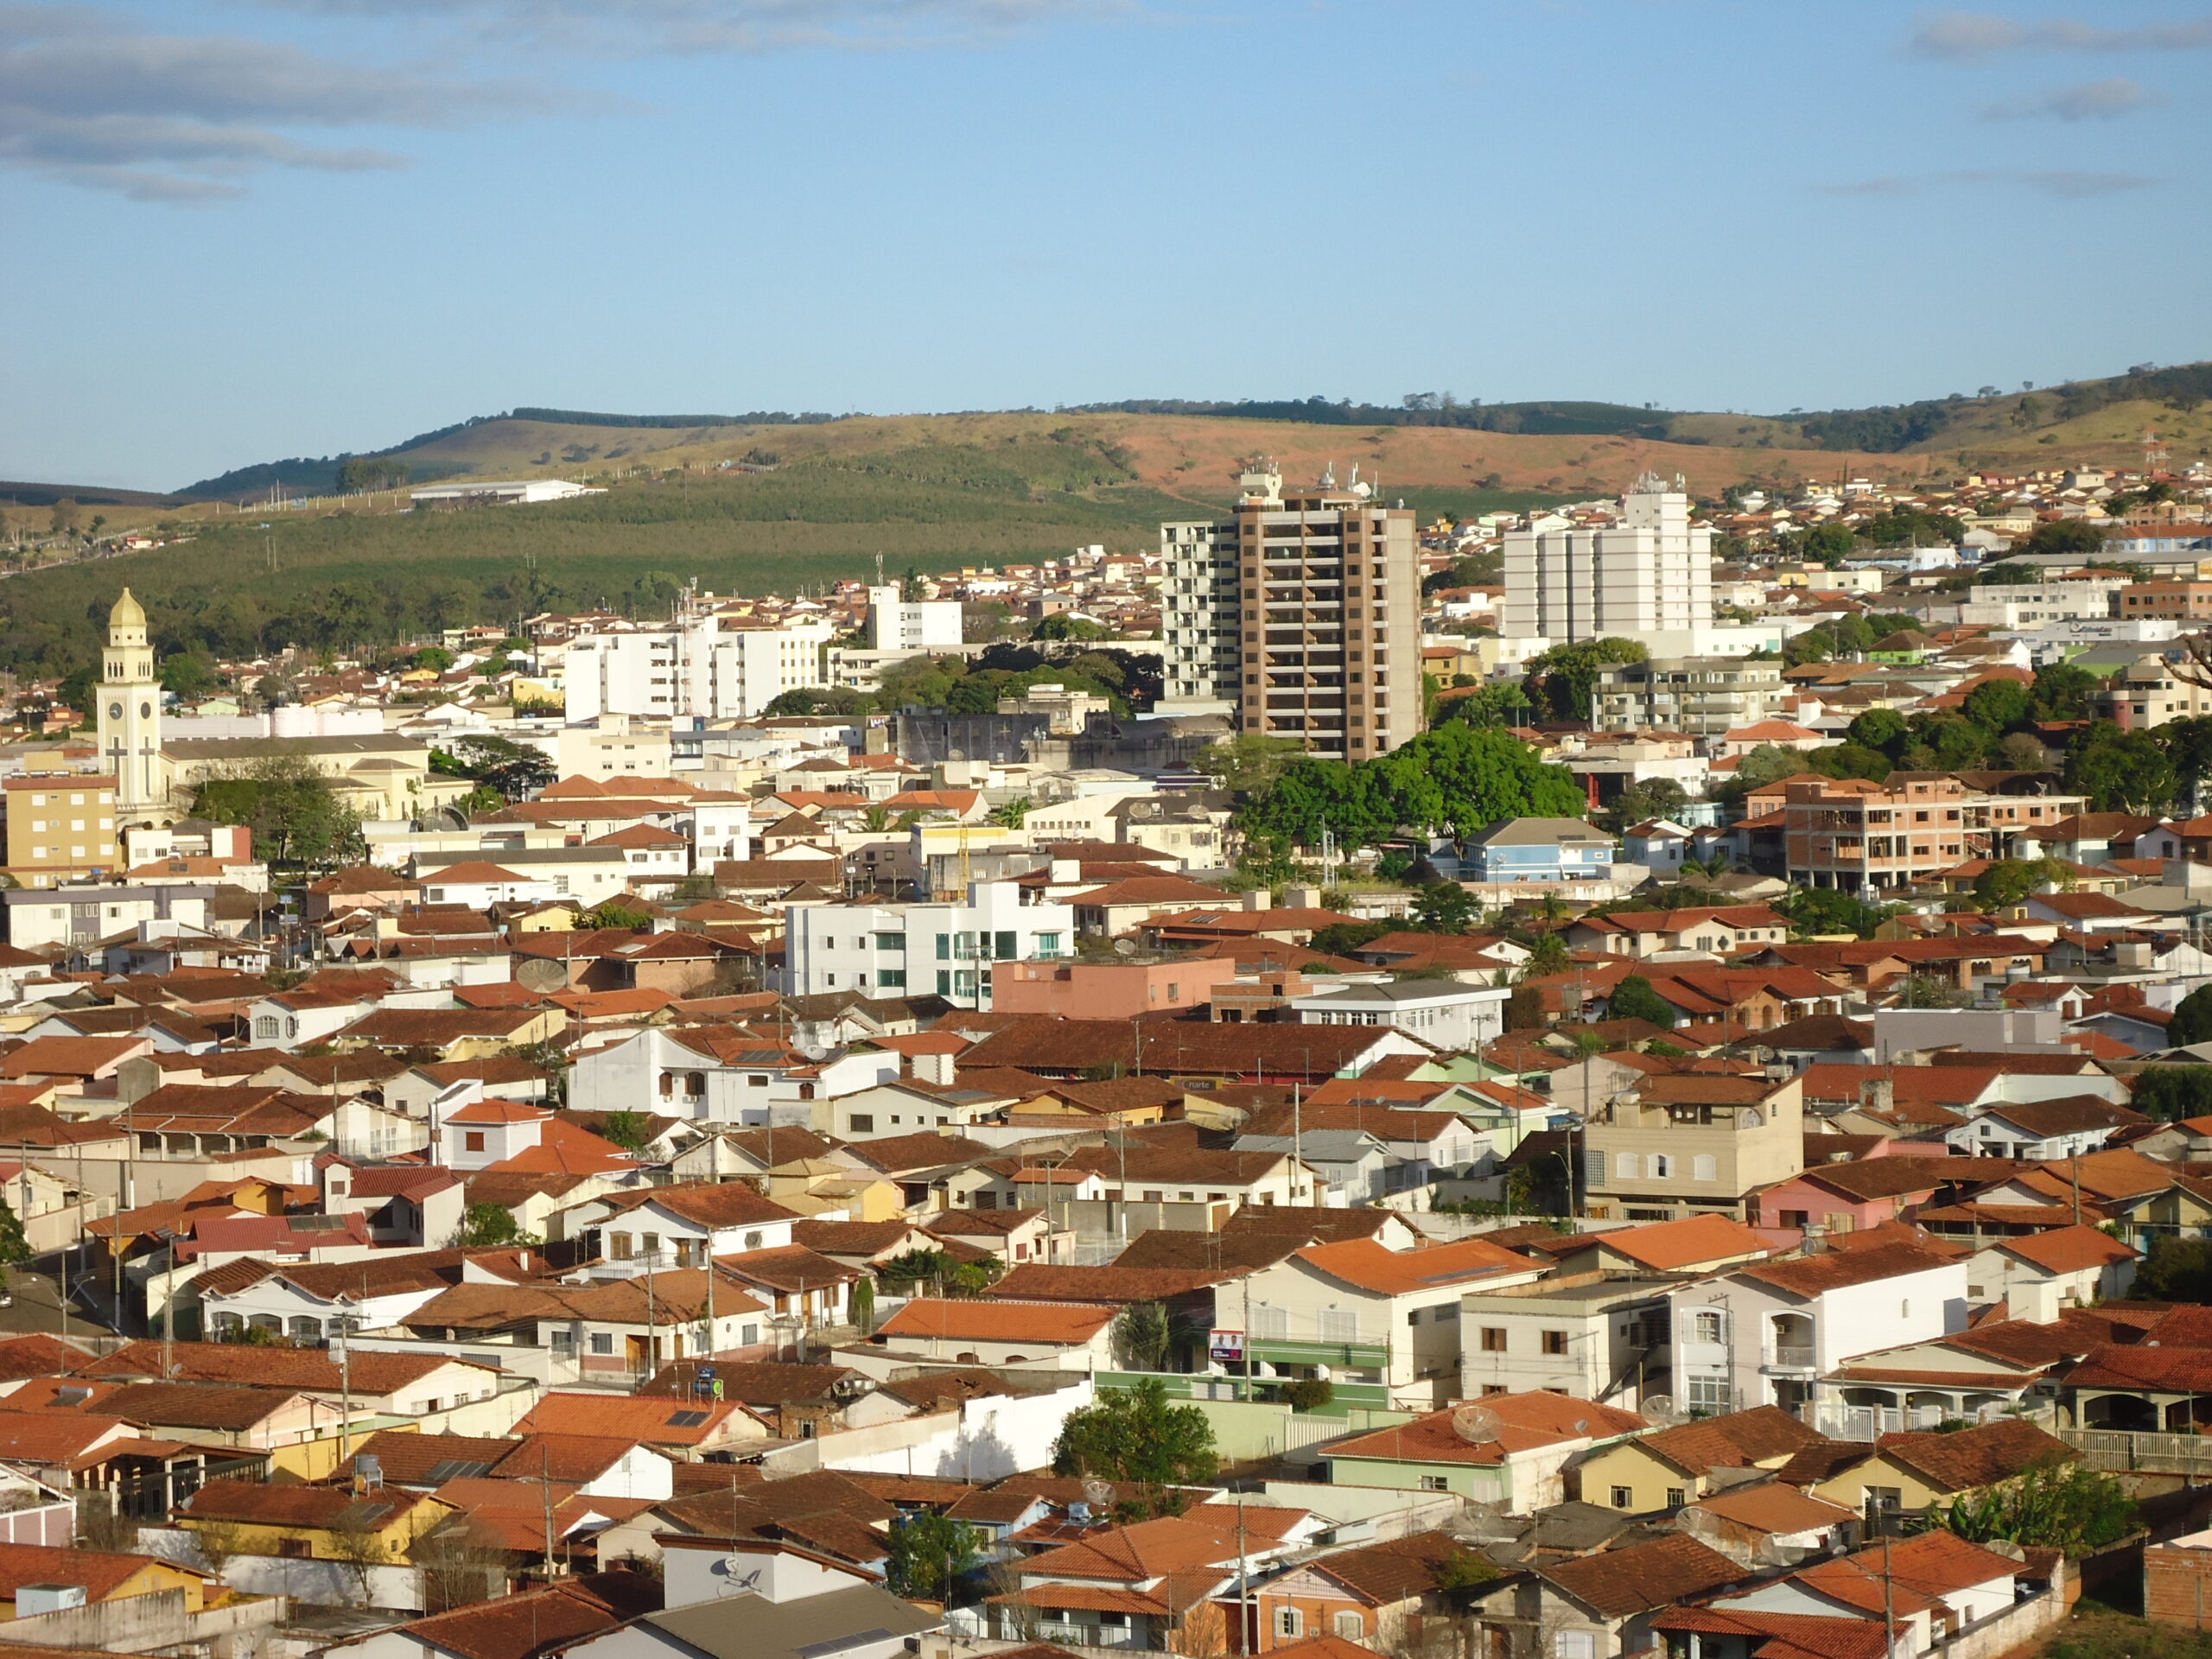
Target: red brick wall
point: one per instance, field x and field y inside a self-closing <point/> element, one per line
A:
<point x="2177" y="1586"/>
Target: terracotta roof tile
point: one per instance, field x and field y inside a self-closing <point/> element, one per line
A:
<point x="1623" y="1582"/>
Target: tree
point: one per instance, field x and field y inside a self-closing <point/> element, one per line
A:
<point x="2176" y="1269"/>
<point x="1998" y="705"/>
<point x="626" y="1128"/>
<point x="2009" y="880"/>
<point x="1342" y="939"/>
<point x="66" y="516"/>
<point x="1829" y="910"/>
<point x="1134" y="1435"/>
<point x="1547" y="955"/>
<point x="363" y="474"/>
<point x="929" y="1553"/>
<point x="1445" y="907"/>
<point x="1560" y="681"/>
<point x="1141" y="1337"/>
<point x="1251" y="762"/>
<point x="2067" y="536"/>
<point x="2058" y="1504"/>
<point x="1654" y="798"/>
<point x="459" y="1570"/>
<point x="489" y="1226"/>
<point x="2061" y="691"/>
<point x="1066" y="625"/>
<point x="2122" y="772"/>
<point x="1010" y="814"/>
<point x="2187" y="744"/>
<point x="1880" y="729"/>
<point x="188" y="673"/>
<point x="1850" y="760"/>
<point x="291" y="809"/>
<point x="616" y="914"/>
<point x="1767" y="764"/>
<point x="218" y="1542"/>
<point x="1504" y="703"/>
<point x="2192" y="1020"/>
<point x="436" y="659"/>
<point x="1928" y="991"/>
<point x="2170" y="1093"/>
<point x="1634" y="999"/>
<point x="863" y="1304"/>
<point x="514" y="769"/>
<point x="1524" y="1009"/>
<point x="355" y="1541"/>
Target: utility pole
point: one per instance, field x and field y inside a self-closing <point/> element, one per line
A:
<point x="344" y="1391"/>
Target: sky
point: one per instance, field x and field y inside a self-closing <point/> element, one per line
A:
<point x="241" y="230"/>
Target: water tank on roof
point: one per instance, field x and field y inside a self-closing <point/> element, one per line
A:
<point x="34" y="1599"/>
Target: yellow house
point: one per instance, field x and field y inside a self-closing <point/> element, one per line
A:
<point x="811" y="1185"/>
<point x="1670" y="1467"/>
<point x="1911" y="1472"/>
<point x="322" y="1523"/>
<point x="105" y="1575"/>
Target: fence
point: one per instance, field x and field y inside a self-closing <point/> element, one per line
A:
<point x="2001" y="1632"/>
<point x="2119" y="1452"/>
<point x="1871" y="1422"/>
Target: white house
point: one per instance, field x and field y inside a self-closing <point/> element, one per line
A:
<point x="1760" y="1335"/>
<point x="914" y="950"/>
<point x="718" y="1074"/>
<point x="39" y="916"/>
<point x="480" y="884"/>
<point x="1451" y="1016"/>
<point x="657" y="1227"/>
<point x="2039" y="1276"/>
<point x="487" y="1132"/>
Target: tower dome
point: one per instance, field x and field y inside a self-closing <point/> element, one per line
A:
<point x="127" y="613"/>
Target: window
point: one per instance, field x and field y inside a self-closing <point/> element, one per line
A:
<point x="1352" y="1626"/>
<point x="1287" y="1622"/>
<point x="1623" y="1498"/>
<point x="473" y="1140"/>
<point x="1625" y="1166"/>
<point x="1705" y="1167"/>
<point x="1574" y="1644"/>
<point x="264" y="1027"/>
<point x="1705" y="1327"/>
<point x="623" y="1246"/>
<point x="602" y="1342"/>
<point x="1711" y="1395"/>
<point x="863" y="1123"/>
<point x="1676" y="1497"/>
<point x="1554" y="1342"/>
<point x="1413" y="1316"/>
<point x="1447" y="1314"/>
<point x="1660" y="1165"/>
<point x="1493" y="1339"/>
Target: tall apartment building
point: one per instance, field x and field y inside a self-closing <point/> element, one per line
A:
<point x="1302" y="613"/>
<point x="911" y="625"/>
<point x="1652" y="571"/>
<point x="721" y="668"/>
<point x="1701" y="696"/>
<point x="61" y="825"/>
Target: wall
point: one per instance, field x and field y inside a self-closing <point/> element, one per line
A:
<point x="986" y="1440"/>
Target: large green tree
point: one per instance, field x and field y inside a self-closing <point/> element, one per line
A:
<point x="2192" y="1020"/>
<point x="1136" y="1435"/>
<point x="2122" y="771"/>
<point x="2067" y="536"/>
<point x="1634" y="999"/>
<point x="2062" y="691"/>
<point x="2056" y="1504"/>
<point x="928" y="1554"/>
<point x="1560" y="681"/>
<point x="1457" y="777"/>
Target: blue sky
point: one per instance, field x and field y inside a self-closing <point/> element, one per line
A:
<point x="242" y="229"/>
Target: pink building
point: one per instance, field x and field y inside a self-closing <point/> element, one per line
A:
<point x="1106" y="991"/>
<point x="1850" y="1198"/>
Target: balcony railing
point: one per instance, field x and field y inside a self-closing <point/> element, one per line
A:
<point x="1790" y="1357"/>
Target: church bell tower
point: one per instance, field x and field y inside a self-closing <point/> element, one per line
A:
<point x="130" y="709"/>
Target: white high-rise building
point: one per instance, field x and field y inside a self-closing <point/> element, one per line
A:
<point x="1652" y="572"/>
<point x="710" y="666"/>
<point x="912" y="625"/>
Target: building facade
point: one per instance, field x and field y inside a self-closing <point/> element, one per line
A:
<point x="722" y="668"/>
<point x="61" y="825"/>
<point x="1652" y="570"/>
<point x="948" y="950"/>
<point x="910" y="625"/>
<point x="1686" y="1146"/>
<point x="1701" y="696"/>
<point x="1303" y="611"/>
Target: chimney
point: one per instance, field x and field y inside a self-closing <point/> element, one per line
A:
<point x="933" y="1068"/>
<point x="1258" y="898"/>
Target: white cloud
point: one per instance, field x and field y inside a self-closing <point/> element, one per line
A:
<point x="1979" y="35"/>
<point x="2065" y="185"/>
<point x="87" y="98"/>
<point x="2094" y="100"/>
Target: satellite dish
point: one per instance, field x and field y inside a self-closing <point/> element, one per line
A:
<point x="1125" y="947"/>
<point x="1770" y="1551"/>
<point x="1477" y="1425"/>
<point x="1099" y="1493"/>
<point x="737" y="1580"/>
<point x="1700" y="1524"/>
<point x="542" y="974"/>
<point x="1660" y="1408"/>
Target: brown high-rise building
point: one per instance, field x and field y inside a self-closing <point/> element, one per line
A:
<point x="1303" y="612"/>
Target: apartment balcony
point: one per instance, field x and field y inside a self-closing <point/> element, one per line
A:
<point x="1785" y="1360"/>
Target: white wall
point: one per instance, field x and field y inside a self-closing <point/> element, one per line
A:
<point x="986" y="1440"/>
